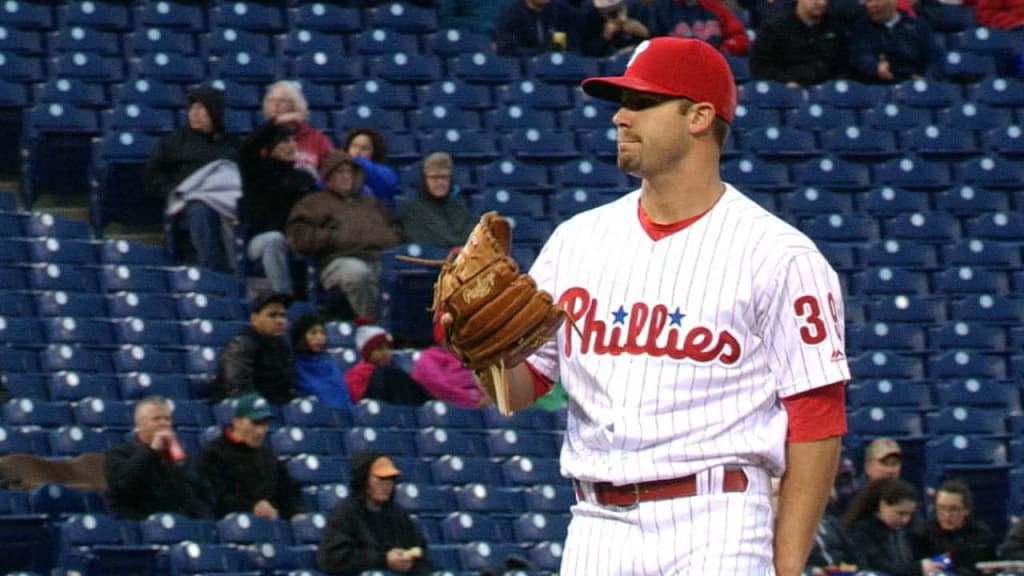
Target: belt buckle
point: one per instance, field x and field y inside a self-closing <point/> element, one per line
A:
<point x="631" y="506"/>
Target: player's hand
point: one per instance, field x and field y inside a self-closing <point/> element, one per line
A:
<point x="399" y="561"/>
<point x="264" y="509"/>
<point x="161" y="440"/>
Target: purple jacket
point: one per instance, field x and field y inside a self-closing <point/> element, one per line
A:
<point x="443" y="377"/>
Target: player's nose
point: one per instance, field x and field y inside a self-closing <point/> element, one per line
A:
<point x="622" y="117"/>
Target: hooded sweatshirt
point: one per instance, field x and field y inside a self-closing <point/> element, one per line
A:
<point x="270" y="187"/>
<point x="183" y="151"/>
<point x="358" y="534"/>
<point x="442" y="222"/>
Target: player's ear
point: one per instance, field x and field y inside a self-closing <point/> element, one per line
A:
<point x="701" y="117"/>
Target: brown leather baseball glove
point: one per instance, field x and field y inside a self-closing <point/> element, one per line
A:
<point x="498" y="315"/>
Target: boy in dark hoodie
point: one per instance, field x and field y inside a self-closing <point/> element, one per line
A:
<point x="180" y="154"/>
<point x="369" y="531"/>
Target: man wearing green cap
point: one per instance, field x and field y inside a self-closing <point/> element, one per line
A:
<point x="244" y="475"/>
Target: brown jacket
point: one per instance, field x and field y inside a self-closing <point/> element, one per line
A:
<point x="328" y="226"/>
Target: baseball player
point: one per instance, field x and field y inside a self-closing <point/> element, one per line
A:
<point x="709" y="353"/>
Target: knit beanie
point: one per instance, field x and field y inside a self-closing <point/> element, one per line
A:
<point x="302" y="325"/>
<point x="369" y="337"/>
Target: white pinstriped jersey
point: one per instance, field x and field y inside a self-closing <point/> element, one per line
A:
<point x="688" y="342"/>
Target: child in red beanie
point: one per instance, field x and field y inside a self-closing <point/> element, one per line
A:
<point x="375" y="377"/>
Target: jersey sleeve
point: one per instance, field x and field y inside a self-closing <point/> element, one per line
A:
<point x="544" y="362"/>
<point x="803" y="325"/>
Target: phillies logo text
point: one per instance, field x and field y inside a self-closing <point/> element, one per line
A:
<point x="643" y="329"/>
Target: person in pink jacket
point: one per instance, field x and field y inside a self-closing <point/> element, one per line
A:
<point x="284" y="98"/>
<point x="441" y="374"/>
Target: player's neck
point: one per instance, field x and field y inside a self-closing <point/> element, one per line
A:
<point x="681" y="194"/>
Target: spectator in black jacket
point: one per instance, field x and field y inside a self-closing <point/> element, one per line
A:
<point x="436" y="216"/>
<point x="608" y="28"/>
<point x="272" y="184"/>
<point x="204" y="212"/>
<point x="150" y="473"/>
<point x="878" y="524"/>
<point x="369" y="531"/>
<point x="889" y="46"/>
<point x="258" y="358"/>
<point x="803" y="46"/>
<point x="531" y="27"/>
<point x="954" y="532"/>
<point x="244" y="475"/>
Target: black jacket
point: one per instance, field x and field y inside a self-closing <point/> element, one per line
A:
<point x="251" y="362"/>
<point x="885" y="550"/>
<point x="357" y="539"/>
<point x="908" y="46"/>
<point x="269" y="187"/>
<point x="442" y="222"/>
<point x="142" y="481"/>
<point x="831" y="546"/>
<point x="788" y="50"/>
<point x="239" y="476"/>
<point x="967" y="546"/>
<point x="183" y="151"/>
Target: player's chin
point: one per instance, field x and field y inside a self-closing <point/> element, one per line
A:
<point x="627" y="163"/>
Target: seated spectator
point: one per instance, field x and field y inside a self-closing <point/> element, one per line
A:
<point x="375" y="377"/>
<point x="194" y="168"/>
<point x="245" y="475"/>
<point x="316" y="372"/>
<point x="803" y="46"/>
<point x="442" y="375"/>
<point x="1000" y="14"/>
<point x="877" y="523"/>
<point x="272" y="185"/>
<point x="955" y="533"/>
<point x="532" y="27"/>
<point x="831" y="549"/>
<point x="285" y="105"/>
<point x="608" y="28"/>
<point x="436" y="216"/>
<point x="469" y="15"/>
<point x="257" y="359"/>
<point x="369" y="531"/>
<point x="1013" y="546"/>
<point x="707" y="20"/>
<point x="151" y="472"/>
<point x="883" y="458"/>
<point x="345" y="230"/>
<point x="366" y="147"/>
<point x="889" y="46"/>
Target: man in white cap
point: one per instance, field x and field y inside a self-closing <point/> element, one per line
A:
<point x="608" y="28"/>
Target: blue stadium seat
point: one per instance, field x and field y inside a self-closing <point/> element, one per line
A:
<point x="250" y="16"/>
<point x="970" y="280"/>
<point x="29" y="439"/>
<point x="515" y="117"/>
<point x="998" y="225"/>
<point x="188" y="558"/>
<point x="247" y="65"/>
<point x="29" y="412"/>
<point x="514" y="174"/>
<point x="907" y="395"/>
<point x="912" y="172"/>
<point x="932" y="227"/>
<point x="213" y="307"/>
<point x="959" y="449"/>
<point x="373" y="413"/>
<point x="107" y="544"/>
<point x="455" y="470"/>
<point x="510" y="202"/>
<point x="147" y="306"/>
<point x="364" y="115"/>
<point x="539" y="527"/>
<point x="15" y="360"/>
<point x="380" y="42"/>
<point x="969" y="335"/>
<point x="329" y="496"/>
<point x="879" y="364"/>
<point x="886" y="336"/>
<point x="72" y="386"/>
<point x="481" y="498"/>
<point x="21" y="42"/>
<point x="810" y="200"/>
<point x="125" y="252"/>
<point x="546" y="556"/>
<point x="999" y="92"/>
<point x="485" y="68"/>
<point x="243" y="528"/>
<point x="77" y="305"/>
<point x="187" y="414"/>
<point x="469" y="527"/>
<point x="924" y="308"/>
<point x="990" y="171"/>
<point x="464" y="145"/>
<point x="88" y="66"/>
<point x="751" y="173"/>
<point x="71" y="440"/>
<point x="1007" y="141"/>
<point x="169" y="14"/>
<point x="307" y="527"/>
<point x="442" y="117"/>
<point x="22" y="69"/>
<point x="476" y="556"/>
<point x="58" y="277"/>
<point x="204" y="332"/>
<point x="988" y="308"/>
<point x="940" y="142"/>
<point x="20" y="385"/>
<point x="566" y="203"/>
<point x="295" y="440"/>
<point x="967" y="67"/>
<point x="97" y="15"/>
<point x="561" y="68"/>
<point x="451" y="42"/>
<point x="960" y="363"/>
<point x="781" y="143"/>
<point x="549" y="498"/>
<point x="924" y="93"/>
<point x="169" y="67"/>
<point x="422" y="499"/>
<point x="847" y="94"/>
<point x="748" y="118"/>
<point x="458" y="94"/>
<point x="328" y="68"/>
<point x="890" y="201"/>
<point x="104" y="413"/>
<point x="157" y="40"/>
<point x="14" y="250"/>
<point x="510" y="442"/>
<point x="77" y="358"/>
<point x="533" y="94"/>
<point x="833" y="173"/>
<point x="590" y="173"/>
<point x="997" y="395"/>
<point x="380" y="94"/>
<point x="436" y="442"/>
<point x="526" y="471"/>
<point x="404" y="17"/>
<point x="972" y="116"/>
<point x="313" y="469"/>
<point x="879" y="421"/>
<point x="406" y="68"/>
<point x="818" y="117"/>
<point x="966" y="200"/>
<point x="443" y="415"/>
<point x="62" y="251"/>
<point x="139" y="331"/>
<point x="167" y="529"/>
<point x="768" y="94"/>
<point x="307" y="412"/>
<point x="301" y="41"/>
<point x="979" y="252"/>
<point x="547" y="147"/>
<point x="132" y="279"/>
<point x="73" y="91"/>
<point x="388" y="441"/>
<point x="328" y="17"/>
<point x="22" y="332"/>
<point x="895" y="117"/>
<point x="135" y="358"/>
<point x="841" y="228"/>
<point x="146" y="92"/>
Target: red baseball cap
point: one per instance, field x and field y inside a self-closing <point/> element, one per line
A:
<point x="683" y="67"/>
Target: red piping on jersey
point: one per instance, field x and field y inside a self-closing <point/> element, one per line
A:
<point x="658" y="231"/>
<point x="541" y="384"/>
<point x="816" y="414"/>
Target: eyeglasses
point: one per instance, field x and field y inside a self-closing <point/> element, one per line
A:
<point x="637" y="101"/>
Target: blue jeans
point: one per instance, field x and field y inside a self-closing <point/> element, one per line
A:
<point x="271" y="249"/>
<point x="209" y="235"/>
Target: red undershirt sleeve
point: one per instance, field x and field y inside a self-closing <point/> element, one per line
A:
<point x="541" y="384"/>
<point x="816" y="414"/>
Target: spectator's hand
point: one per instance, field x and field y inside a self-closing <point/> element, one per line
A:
<point x="635" y="28"/>
<point x="611" y="28"/>
<point x="264" y="509"/>
<point x="161" y="440"/>
<point x="287" y="118"/>
<point x="883" y="69"/>
<point x="399" y="561"/>
<point x="928" y="567"/>
<point x="792" y="84"/>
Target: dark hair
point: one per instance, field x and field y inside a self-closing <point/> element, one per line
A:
<point x="958" y="486"/>
<point x="380" y="150"/>
<point x="719" y="127"/>
<point x="866" y="502"/>
<point x="300" y="327"/>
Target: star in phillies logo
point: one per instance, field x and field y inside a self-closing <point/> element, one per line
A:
<point x="642" y="329"/>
